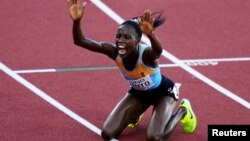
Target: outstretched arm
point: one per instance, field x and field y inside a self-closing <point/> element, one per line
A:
<point x="76" y="11"/>
<point x="146" y="24"/>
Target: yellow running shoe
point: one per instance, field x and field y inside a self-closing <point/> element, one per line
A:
<point x="189" y="121"/>
<point x="134" y="123"/>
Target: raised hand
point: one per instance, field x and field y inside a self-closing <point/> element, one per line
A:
<point x="76" y="9"/>
<point x="146" y="22"/>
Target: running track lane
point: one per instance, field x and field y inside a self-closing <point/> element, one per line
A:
<point x="49" y="99"/>
<point x="102" y="6"/>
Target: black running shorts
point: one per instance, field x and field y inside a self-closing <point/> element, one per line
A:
<point x="151" y="97"/>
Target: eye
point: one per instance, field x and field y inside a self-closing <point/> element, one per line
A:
<point x="118" y="36"/>
<point x="128" y="37"/>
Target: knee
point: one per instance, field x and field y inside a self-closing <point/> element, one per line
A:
<point x="154" y="137"/>
<point x="106" y="135"/>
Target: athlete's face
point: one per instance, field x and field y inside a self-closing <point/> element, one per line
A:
<point x="126" y="40"/>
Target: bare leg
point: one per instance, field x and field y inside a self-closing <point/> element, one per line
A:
<point x="161" y="116"/>
<point x="128" y="109"/>
<point x="173" y="121"/>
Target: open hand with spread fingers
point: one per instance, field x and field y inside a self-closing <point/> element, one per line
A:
<point x="146" y="22"/>
<point x="76" y="9"/>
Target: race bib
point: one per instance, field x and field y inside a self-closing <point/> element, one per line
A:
<point x="141" y="84"/>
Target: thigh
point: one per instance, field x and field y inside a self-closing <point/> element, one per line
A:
<point x="127" y="109"/>
<point x="162" y="112"/>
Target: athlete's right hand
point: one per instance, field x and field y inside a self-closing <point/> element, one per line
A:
<point x="76" y="9"/>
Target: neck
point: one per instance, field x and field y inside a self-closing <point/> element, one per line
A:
<point x="131" y="60"/>
<point x="133" y="55"/>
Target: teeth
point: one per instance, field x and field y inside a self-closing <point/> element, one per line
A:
<point x="121" y="46"/>
<point x="122" y="49"/>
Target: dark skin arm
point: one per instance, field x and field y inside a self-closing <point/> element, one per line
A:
<point x="151" y="55"/>
<point x="76" y="11"/>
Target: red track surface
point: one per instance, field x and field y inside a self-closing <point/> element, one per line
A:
<point x="36" y="35"/>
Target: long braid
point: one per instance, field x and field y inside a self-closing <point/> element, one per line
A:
<point x="159" y="20"/>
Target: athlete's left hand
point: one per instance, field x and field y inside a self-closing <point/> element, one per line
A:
<point x="146" y="22"/>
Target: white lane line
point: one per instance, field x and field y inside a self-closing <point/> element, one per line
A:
<point x="177" y="61"/>
<point x="218" y="59"/>
<point x="35" y="71"/>
<point x="49" y="99"/>
<point x="190" y="62"/>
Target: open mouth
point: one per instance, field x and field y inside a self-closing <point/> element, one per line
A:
<point x="121" y="49"/>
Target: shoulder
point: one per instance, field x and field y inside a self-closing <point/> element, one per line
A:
<point x="107" y="45"/>
<point x="109" y="49"/>
<point x="148" y="56"/>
